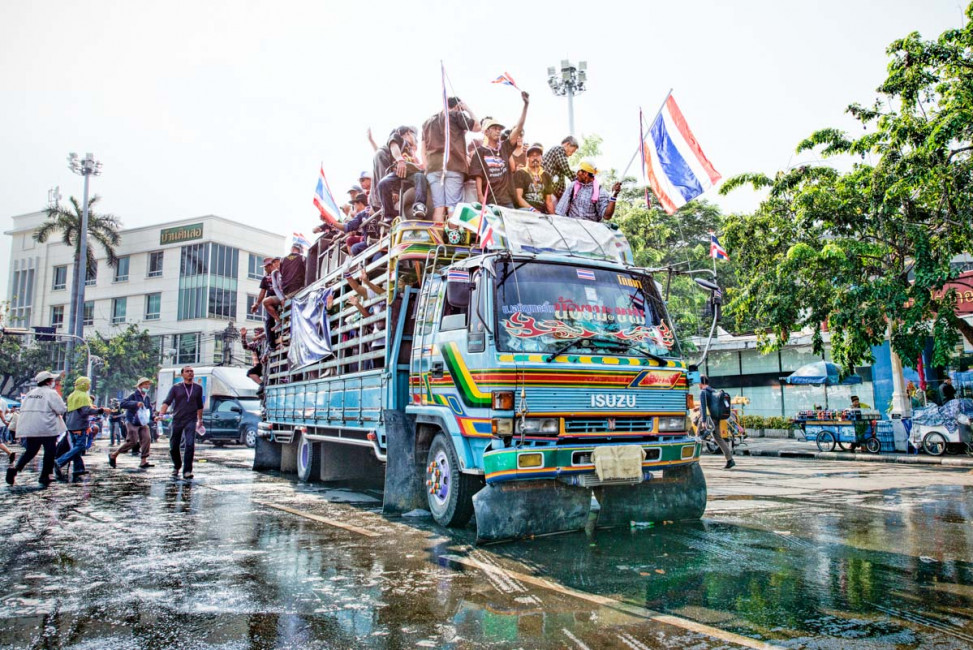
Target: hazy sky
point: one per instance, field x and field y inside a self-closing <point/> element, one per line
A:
<point x="228" y="107"/>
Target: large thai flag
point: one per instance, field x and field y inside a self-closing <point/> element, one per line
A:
<point x="677" y="168"/>
<point x="324" y="202"/>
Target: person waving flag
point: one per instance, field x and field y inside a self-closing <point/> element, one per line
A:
<point x="324" y="202"/>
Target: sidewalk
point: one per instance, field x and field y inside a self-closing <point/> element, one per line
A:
<point x="796" y="448"/>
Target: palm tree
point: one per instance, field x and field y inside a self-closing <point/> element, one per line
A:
<point x="103" y="228"/>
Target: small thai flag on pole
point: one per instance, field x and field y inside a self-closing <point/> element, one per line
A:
<point x="716" y="251"/>
<point x="324" y="202"/>
<point x="678" y="169"/>
<point x="301" y="240"/>
<point x="506" y="80"/>
<point x="446" y="122"/>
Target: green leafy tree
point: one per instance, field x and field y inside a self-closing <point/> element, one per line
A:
<point x="867" y="251"/>
<point x="20" y="359"/>
<point x="102" y="228"/>
<point x="125" y="356"/>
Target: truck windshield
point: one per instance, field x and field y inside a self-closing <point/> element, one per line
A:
<point x="542" y="307"/>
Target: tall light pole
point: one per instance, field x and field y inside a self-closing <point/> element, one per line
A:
<point x="570" y="82"/>
<point x="87" y="167"/>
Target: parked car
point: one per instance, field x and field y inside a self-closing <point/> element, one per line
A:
<point x="231" y="408"/>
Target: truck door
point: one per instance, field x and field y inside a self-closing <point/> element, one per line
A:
<point x="427" y="315"/>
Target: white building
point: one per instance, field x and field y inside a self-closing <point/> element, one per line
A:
<point x="183" y="281"/>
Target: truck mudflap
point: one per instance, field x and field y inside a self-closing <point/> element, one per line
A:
<point x="676" y="493"/>
<point x="266" y="455"/>
<point x="403" y="484"/>
<point x="527" y="508"/>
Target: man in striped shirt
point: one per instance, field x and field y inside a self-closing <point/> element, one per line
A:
<point x="556" y="164"/>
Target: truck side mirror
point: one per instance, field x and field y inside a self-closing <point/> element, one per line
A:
<point x="236" y="409"/>
<point x="458" y="294"/>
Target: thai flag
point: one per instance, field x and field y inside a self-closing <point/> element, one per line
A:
<point x="677" y="168"/>
<point x="324" y="202"/>
<point x="506" y="80"/>
<point x="446" y="124"/>
<point x="458" y="275"/>
<point x="586" y="274"/>
<point x="301" y="240"/>
<point x="486" y="231"/>
<point x="716" y="251"/>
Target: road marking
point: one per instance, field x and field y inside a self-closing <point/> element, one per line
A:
<point x="576" y="640"/>
<point x="323" y="520"/>
<point x="632" y="642"/>
<point x="634" y="610"/>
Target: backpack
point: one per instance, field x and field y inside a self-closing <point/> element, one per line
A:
<point x="719" y="405"/>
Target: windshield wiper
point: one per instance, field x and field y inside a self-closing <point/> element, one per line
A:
<point x="562" y="348"/>
<point x="594" y="339"/>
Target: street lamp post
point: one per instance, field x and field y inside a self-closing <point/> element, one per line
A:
<point x="87" y="167"/>
<point x="570" y="82"/>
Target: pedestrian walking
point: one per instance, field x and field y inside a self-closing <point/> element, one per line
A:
<point x="39" y="425"/>
<point x="714" y="414"/>
<point x="138" y="420"/>
<point x="186" y="401"/>
<point x="116" y="424"/>
<point x="947" y="391"/>
<point x="78" y="423"/>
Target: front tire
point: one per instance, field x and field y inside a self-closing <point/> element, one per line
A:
<point x="449" y="492"/>
<point x="249" y="437"/>
<point x="308" y="460"/>
<point x="825" y="441"/>
<point x="934" y="443"/>
<point x="873" y="445"/>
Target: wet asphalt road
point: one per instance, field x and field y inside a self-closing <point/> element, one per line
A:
<point x="802" y="554"/>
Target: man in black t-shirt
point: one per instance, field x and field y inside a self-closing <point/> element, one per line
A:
<point x="185" y="399"/>
<point x="534" y="187"/>
<point x="490" y="165"/>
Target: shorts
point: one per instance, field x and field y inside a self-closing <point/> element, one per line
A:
<point x="445" y="194"/>
<point x="257" y="370"/>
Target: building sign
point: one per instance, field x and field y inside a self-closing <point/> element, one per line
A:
<point x="963" y="286"/>
<point x="181" y="234"/>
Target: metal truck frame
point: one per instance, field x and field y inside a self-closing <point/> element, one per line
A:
<point x="470" y="413"/>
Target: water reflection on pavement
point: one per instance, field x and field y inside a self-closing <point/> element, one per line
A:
<point x="792" y="553"/>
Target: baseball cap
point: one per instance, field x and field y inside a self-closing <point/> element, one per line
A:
<point x="44" y="375"/>
<point x="360" y="198"/>
<point x="537" y="146"/>
<point x="355" y="189"/>
<point x="588" y="167"/>
<point x="268" y="261"/>
<point x="364" y="175"/>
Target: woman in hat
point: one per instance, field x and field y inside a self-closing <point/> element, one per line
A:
<point x="78" y="422"/>
<point x="38" y="426"/>
<point x="138" y="435"/>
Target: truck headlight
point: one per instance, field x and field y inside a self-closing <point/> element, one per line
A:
<point x="536" y="425"/>
<point x="672" y="423"/>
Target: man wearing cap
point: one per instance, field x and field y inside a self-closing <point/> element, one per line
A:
<point x="356" y="241"/>
<point x="407" y="166"/>
<point x="39" y="424"/>
<point x="533" y="185"/>
<point x="447" y="190"/>
<point x="258" y="348"/>
<point x="490" y="164"/>
<point x="556" y="164"/>
<point x="186" y="400"/>
<point x="365" y="180"/>
<point x="291" y="280"/>
<point x="585" y="199"/>
<point x="138" y="435"/>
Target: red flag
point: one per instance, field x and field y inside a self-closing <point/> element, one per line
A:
<point x="922" y="374"/>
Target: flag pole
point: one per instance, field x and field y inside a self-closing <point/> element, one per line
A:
<point x="661" y="106"/>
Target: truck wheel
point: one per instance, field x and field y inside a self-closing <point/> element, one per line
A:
<point x="450" y="493"/>
<point x="308" y="460"/>
<point x="249" y="437"/>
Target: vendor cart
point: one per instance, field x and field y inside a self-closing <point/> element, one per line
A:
<point x="845" y="429"/>
<point x="938" y="429"/>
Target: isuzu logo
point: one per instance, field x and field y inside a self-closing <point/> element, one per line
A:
<point x="608" y="400"/>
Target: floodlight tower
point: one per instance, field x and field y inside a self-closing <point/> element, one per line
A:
<point x="86" y="167"/>
<point x="570" y="82"/>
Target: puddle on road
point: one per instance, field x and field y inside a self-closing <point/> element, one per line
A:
<point x="174" y="564"/>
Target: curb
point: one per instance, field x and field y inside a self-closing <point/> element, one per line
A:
<point x="902" y="459"/>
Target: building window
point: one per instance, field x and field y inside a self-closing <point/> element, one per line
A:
<point x="255" y="267"/>
<point x="121" y="270"/>
<point x="218" y="347"/>
<point x="60" y="278"/>
<point x="207" y="281"/>
<point x="57" y="316"/>
<point x="91" y="275"/>
<point x="118" y="306"/>
<point x="259" y="316"/>
<point x="155" y="265"/>
<point x="88" y="316"/>
<point x="187" y="348"/>
<point x="153" y="306"/>
<point x="21" y="297"/>
<point x="222" y="303"/>
<point x="159" y="347"/>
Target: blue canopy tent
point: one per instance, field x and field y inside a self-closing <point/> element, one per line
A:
<point x="10" y="403"/>
<point x="821" y="373"/>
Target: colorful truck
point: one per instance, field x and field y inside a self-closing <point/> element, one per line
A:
<point x="511" y="367"/>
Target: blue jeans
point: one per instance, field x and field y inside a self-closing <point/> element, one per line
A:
<point x="392" y="183"/>
<point x="183" y="435"/>
<point x="445" y="194"/>
<point x="79" y="443"/>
